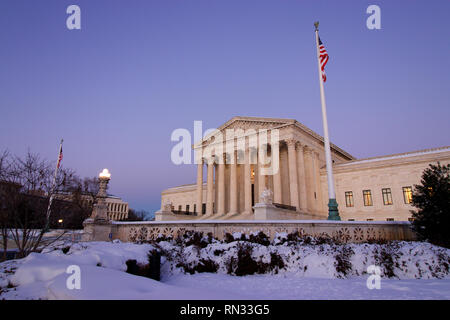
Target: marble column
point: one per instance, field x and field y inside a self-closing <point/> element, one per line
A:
<point x="293" y="177"/>
<point x="277" y="190"/>
<point x="221" y="186"/>
<point x="309" y="177"/>
<point x="199" y="202"/>
<point x="210" y="187"/>
<point x="233" y="185"/>
<point x="301" y="179"/>
<point x="261" y="180"/>
<point x="247" y="183"/>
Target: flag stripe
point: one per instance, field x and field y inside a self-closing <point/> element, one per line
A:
<point x="60" y="157"/>
<point x="323" y="55"/>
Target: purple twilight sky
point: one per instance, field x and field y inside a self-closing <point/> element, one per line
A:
<point x="116" y="89"/>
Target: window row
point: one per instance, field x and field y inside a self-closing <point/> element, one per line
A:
<point x="386" y="194"/>
<point x="117" y="207"/>
<point x="387" y="219"/>
<point x="188" y="208"/>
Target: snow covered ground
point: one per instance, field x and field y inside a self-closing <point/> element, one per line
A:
<point x="291" y="287"/>
<point x="103" y="276"/>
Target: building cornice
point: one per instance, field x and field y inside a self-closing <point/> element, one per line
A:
<point x="276" y="123"/>
<point x="420" y="156"/>
<point x="182" y="188"/>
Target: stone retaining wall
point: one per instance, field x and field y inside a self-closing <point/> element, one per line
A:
<point x="345" y="231"/>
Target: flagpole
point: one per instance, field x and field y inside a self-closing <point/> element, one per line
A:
<point x="333" y="212"/>
<point x="49" y="207"/>
<point x="54" y="184"/>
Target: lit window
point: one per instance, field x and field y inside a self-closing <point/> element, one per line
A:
<point x="349" y="199"/>
<point x="367" y="195"/>
<point x="407" y="194"/>
<point x="387" y="196"/>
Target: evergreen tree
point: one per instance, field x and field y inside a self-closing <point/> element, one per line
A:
<point x="432" y="199"/>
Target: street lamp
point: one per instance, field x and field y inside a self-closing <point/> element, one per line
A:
<point x="100" y="209"/>
<point x="104" y="178"/>
<point x="105" y="174"/>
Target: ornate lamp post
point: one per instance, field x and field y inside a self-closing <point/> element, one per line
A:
<point x="100" y="212"/>
<point x="98" y="226"/>
<point x="104" y="178"/>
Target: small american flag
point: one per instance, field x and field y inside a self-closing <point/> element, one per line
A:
<point x="323" y="59"/>
<point x="60" y="157"/>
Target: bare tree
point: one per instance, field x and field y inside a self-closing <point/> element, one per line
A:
<point x="137" y="215"/>
<point x="83" y="193"/>
<point x="27" y="185"/>
<point x="4" y="190"/>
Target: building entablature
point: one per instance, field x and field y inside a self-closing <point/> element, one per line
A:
<point x="400" y="159"/>
<point x="248" y="128"/>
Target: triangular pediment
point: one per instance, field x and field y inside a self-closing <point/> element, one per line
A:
<point x="258" y="123"/>
<point x="254" y="123"/>
<point x="246" y="123"/>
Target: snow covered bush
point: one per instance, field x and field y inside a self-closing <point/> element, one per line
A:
<point x="151" y="269"/>
<point x="240" y="255"/>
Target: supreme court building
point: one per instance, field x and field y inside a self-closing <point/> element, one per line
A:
<point x="281" y="162"/>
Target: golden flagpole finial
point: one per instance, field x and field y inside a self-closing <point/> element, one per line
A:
<point x="316" y="24"/>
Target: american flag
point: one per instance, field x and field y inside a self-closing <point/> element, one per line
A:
<point x="323" y="59"/>
<point x="60" y="157"/>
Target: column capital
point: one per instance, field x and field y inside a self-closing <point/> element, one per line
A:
<point x="220" y="158"/>
<point x="300" y="146"/>
<point x="230" y="157"/>
<point x="291" y="142"/>
<point x="308" y="149"/>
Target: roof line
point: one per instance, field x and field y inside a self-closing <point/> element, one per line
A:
<point x="286" y="123"/>
<point x="386" y="157"/>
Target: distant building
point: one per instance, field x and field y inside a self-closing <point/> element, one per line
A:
<point x="117" y="208"/>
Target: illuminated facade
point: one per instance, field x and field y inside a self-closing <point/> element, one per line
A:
<point x="377" y="188"/>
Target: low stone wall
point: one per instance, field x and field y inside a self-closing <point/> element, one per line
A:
<point x="345" y="231"/>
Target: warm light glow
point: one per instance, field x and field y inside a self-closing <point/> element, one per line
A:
<point x="105" y="174"/>
<point x="60" y="220"/>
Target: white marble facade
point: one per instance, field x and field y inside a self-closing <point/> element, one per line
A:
<point x="237" y="163"/>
